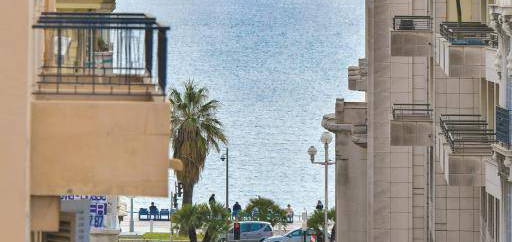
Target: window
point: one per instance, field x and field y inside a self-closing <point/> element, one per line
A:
<point x="297" y="233"/>
<point x="497" y="223"/>
<point x="268" y="229"/>
<point x="483" y="204"/>
<point x="245" y="227"/>
<point x="490" y="215"/>
<point x="256" y="227"/>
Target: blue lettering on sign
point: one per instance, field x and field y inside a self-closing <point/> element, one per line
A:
<point x="97" y="209"/>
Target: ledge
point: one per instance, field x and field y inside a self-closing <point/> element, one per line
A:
<point x="329" y="123"/>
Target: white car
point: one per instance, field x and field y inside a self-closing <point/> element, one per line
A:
<point x="296" y="235"/>
<point x="251" y="231"/>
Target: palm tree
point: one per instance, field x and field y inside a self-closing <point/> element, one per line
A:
<point x="216" y="224"/>
<point x="316" y="221"/>
<point x="211" y="218"/>
<point x="264" y="209"/>
<point x="459" y="13"/>
<point x="190" y="217"/>
<point x="195" y="131"/>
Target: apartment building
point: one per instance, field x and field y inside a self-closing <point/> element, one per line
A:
<point x="434" y="160"/>
<point x="84" y="111"/>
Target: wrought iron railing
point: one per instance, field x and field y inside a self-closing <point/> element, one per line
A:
<point x="467" y="133"/>
<point x="102" y="54"/>
<point x="412" y="22"/>
<point x="412" y="111"/>
<point x="493" y="41"/>
<point x="466" y="33"/>
<point x="503" y="126"/>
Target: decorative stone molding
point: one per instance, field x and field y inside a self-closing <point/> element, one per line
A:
<point x="329" y="123"/>
<point x="358" y="75"/>
<point x="504" y="154"/>
<point x="508" y="163"/>
<point x="358" y="132"/>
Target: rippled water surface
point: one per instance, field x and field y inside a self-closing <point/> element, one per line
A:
<point x="277" y="66"/>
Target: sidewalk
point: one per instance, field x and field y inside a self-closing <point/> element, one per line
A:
<point x="142" y="227"/>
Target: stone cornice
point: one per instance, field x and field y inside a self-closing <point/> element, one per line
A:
<point x="329" y="123"/>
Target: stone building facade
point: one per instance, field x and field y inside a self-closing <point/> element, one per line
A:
<point x="435" y="161"/>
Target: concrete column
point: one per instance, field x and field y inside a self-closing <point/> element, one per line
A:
<point x="351" y="188"/>
<point x="15" y="78"/>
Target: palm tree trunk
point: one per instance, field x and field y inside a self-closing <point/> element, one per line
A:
<point x="192" y="234"/>
<point x="207" y="236"/>
<point x="188" y="192"/>
<point x="459" y="13"/>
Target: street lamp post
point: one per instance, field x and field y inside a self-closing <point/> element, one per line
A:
<point x="132" y="224"/>
<point x="326" y="138"/>
<point x="225" y="157"/>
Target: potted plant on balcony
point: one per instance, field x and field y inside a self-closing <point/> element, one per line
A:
<point x="103" y="56"/>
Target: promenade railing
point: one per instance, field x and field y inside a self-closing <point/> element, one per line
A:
<point x="466" y="33"/>
<point x="402" y="22"/>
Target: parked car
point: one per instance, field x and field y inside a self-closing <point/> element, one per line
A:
<point x="296" y="235"/>
<point x="251" y="231"/>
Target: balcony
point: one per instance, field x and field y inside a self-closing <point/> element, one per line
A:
<point x="465" y="143"/>
<point x="85" y="5"/>
<point x="99" y="120"/>
<point x="503" y="142"/>
<point x="460" y="49"/>
<point x="102" y="56"/>
<point x="411" y="125"/>
<point x="411" y="36"/>
<point x="358" y="76"/>
<point x="503" y="126"/>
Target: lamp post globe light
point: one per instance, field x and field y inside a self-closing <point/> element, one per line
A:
<point x="326" y="139"/>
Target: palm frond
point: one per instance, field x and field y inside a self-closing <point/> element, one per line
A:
<point x="195" y="130"/>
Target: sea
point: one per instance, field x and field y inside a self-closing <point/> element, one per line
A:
<point x="277" y="66"/>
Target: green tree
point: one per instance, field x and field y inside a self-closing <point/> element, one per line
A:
<point x="211" y="218"/>
<point x="316" y="221"/>
<point x="267" y="210"/>
<point x="216" y="223"/>
<point x="195" y="131"/>
<point x="190" y="217"/>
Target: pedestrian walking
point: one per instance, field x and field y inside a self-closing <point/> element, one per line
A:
<point x="212" y="199"/>
<point x="236" y="209"/>
<point x="255" y="212"/>
<point x="319" y="205"/>
<point x="289" y="213"/>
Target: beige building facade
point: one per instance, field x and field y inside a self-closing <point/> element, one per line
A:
<point x="436" y="158"/>
<point x="76" y="118"/>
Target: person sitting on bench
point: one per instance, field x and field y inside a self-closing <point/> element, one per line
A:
<point x="153" y="211"/>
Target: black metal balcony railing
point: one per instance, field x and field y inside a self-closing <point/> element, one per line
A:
<point x="493" y="41"/>
<point x="503" y="126"/>
<point x="412" y="111"/>
<point x="467" y="33"/>
<point x="102" y="54"/>
<point x="467" y="133"/>
<point x="412" y="23"/>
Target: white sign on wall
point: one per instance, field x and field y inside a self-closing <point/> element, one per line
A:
<point x="97" y="208"/>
